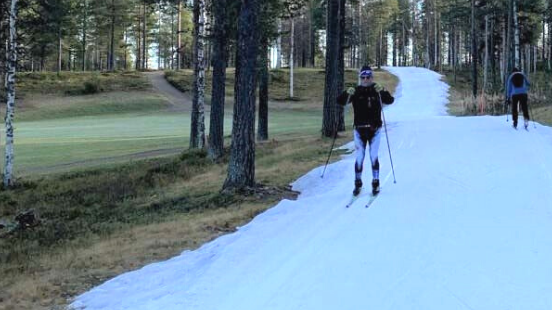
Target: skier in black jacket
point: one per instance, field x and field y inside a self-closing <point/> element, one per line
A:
<point x="367" y="99"/>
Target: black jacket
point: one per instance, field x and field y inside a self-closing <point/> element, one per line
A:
<point x="366" y="105"/>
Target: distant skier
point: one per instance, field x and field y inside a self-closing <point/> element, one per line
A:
<point x="516" y="93"/>
<point x="367" y="99"/>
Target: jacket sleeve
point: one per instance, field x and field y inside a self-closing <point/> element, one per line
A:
<point x="342" y="99"/>
<point x="386" y="97"/>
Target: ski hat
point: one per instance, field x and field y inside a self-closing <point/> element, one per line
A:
<point x="365" y="71"/>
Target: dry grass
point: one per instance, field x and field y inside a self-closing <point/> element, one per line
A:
<point x="75" y="270"/>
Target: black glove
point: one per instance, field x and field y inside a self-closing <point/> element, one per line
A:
<point x="386" y="97"/>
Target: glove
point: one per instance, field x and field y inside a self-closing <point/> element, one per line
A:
<point x="351" y="91"/>
<point x="379" y="87"/>
<point x="386" y="97"/>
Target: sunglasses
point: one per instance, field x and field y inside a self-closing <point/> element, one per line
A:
<point x="365" y="77"/>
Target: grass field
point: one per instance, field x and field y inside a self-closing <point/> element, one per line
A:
<point x="116" y="189"/>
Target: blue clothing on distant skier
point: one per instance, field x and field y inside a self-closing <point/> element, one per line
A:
<point x="516" y="94"/>
<point x="517" y="88"/>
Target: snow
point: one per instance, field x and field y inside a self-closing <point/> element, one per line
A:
<point x="466" y="226"/>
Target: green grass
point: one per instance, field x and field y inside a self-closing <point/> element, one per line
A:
<point x="37" y="108"/>
<point x="91" y="141"/>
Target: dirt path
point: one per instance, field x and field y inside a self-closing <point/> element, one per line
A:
<point x="180" y="101"/>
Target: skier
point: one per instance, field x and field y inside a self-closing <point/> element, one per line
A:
<point x="516" y="93"/>
<point x="367" y="99"/>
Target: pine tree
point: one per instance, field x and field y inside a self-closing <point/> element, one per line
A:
<point x="241" y="168"/>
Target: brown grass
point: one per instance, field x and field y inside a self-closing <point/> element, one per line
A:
<point x="75" y="270"/>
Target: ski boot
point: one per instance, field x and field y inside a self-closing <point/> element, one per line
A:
<point x="358" y="187"/>
<point x="526" y="124"/>
<point x="375" y="186"/>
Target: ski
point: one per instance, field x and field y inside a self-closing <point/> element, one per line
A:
<point x="372" y="198"/>
<point x="352" y="200"/>
<point x="355" y="198"/>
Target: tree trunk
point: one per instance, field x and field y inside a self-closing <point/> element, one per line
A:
<point x="550" y="45"/>
<point x="197" y="133"/>
<point x="436" y="54"/>
<point x="171" y="61"/>
<point x="486" y="59"/>
<point x="10" y="94"/>
<point x="139" y="42"/>
<point x="380" y="47"/>
<point x="159" y="39"/>
<point x="517" y="61"/>
<point x="220" y="59"/>
<point x="179" y="36"/>
<point x="330" y="116"/>
<point x="341" y="65"/>
<point x="291" y="52"/>
<point x="427" y="58"/>
<point x="403" y="44"/>
<point x="144" y="39"/>
<point x="474" y="51"/>
<point x="262" y="126"/>
<point x="125" y="50"/>
<point x="59" y="50"/>
<point x="493" y="52"/>
<point x="279" y="45"/>
<point x="241" y="168"/>
<point x="84" y="26"/>
<point x="394" y="35"/>
<point x="312" y="41"/>
<point x="111" y="58"/>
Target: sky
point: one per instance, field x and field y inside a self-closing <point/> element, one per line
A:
<point x="467" y="225"/>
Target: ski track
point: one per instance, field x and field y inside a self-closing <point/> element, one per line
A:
<point x="466" y="226"/>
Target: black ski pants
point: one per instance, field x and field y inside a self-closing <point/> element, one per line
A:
<point x="519" y="99"/>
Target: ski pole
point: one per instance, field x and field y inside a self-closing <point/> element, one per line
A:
<point x="387" y="138"/>
<point x="333" y="143"/>
<point x="531" y="111"/>
<point x="330" y="154"/>
<point x="507" y="108"/>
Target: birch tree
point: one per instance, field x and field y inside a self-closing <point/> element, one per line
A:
<point x="10" y="94"/>
<point x="197" y="133"/>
